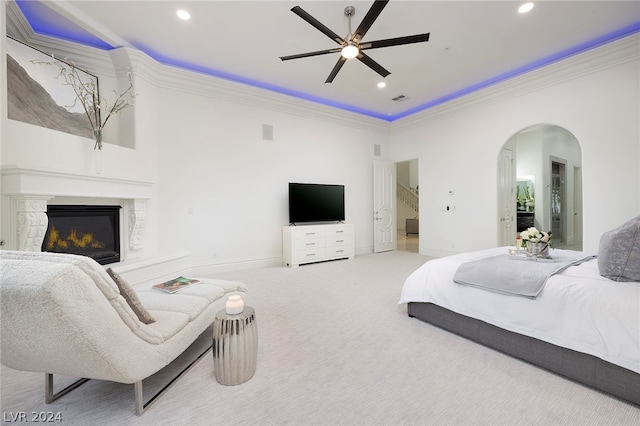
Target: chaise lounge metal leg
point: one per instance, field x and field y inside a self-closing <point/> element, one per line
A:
<point x="141" y="407"/>
<point x="50" y="396"/>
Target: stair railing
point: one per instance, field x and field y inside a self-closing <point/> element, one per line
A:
<point x="408" y="196"/>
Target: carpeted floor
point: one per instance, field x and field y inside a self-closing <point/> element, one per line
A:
<point x="336" y="349"/>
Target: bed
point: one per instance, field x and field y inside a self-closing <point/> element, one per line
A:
<point x="581" y="325"/>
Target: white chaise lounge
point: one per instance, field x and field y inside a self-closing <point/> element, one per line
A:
<point x="64" y="314"/>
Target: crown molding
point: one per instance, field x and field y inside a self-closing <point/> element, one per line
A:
<point x="91" y="59"/>
<point x="17" y="25"/>
<point x="72" y="13"/>
<point x="590" y="62"/>
<point x="201" y="84"/>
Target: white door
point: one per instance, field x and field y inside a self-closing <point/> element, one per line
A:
<point x="506" y="198"/>
<point x="384" y="206"/>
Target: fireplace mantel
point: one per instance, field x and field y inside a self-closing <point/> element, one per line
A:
<point x="26" y="192"/>
<point x="20" y="180"/>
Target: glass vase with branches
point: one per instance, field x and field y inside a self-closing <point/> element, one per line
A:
<point x="97" y="109"/>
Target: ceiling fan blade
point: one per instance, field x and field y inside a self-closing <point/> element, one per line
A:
<point x="318" y="25"/>
<point x="373" y="64"/>
<point x="308" y="54"/>
<point x="368" y="20"/>
<point x="335" y="69"/>
<point x="418" y="38"/>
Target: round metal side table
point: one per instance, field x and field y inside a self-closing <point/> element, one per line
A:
<point x="235" y="346"/>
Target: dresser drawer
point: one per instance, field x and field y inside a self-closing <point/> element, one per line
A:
<point x="338" y="252"/>
<point x="308" y="243"/>
<point x="338" y="231"/>
<point x="339" y="241"/>
<point x="311" y="255"/>
<point x="302" y="233"/>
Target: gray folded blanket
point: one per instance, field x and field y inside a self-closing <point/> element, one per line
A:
<point x="513" y="275"/>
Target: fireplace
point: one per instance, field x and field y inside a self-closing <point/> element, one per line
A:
<point x="88" y="230"/>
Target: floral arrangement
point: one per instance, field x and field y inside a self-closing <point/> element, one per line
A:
<point x="535" y="236"/>
<point x="96" y="108"/>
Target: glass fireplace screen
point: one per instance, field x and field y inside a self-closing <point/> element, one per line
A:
<point x="92" y="231"/>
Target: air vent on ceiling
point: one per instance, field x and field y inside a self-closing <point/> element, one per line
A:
<point x="400" y="98"/>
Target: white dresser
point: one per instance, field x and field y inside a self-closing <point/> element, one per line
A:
<point x="316" y="243"/>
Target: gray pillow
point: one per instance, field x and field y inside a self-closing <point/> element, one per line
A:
<point x="131" y="297"/>
<point x="619" y="252"/>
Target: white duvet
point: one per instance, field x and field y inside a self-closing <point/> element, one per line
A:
<point x="577" y="309"/>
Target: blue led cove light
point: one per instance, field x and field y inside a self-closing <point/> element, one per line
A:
<point x="39" y="17"/>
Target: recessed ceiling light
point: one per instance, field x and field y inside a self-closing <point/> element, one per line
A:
<point x="525" y="7"/>
<point x="382" y="84"/>
<point x="183" y="14"/>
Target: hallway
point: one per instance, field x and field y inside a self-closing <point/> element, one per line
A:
<point x="408" y="242"/>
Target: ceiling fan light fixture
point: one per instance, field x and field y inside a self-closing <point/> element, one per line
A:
<point x="526" y="7"/>
<point x="350" y="51"/>
<point x="183" y="14"/>
<point x="352" y="46"/>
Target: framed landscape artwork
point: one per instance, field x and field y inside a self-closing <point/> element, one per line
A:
<point x="38" y="95"/>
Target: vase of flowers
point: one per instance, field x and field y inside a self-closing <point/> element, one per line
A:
<point x="536" y="243"/>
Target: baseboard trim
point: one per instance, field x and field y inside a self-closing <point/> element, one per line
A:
<point x="438" y="253"/>
<point x="235" y="265"/>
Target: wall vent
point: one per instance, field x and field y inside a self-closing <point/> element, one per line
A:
<point x="267" y="132"/>
<point x="400" y="98"/>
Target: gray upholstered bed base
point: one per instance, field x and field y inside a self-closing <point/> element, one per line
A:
<point x="583" y="368"/>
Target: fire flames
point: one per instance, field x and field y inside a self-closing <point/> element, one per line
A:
<point x="85" y="241"/>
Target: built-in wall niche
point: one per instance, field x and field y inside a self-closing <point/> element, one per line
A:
<point x="88" y="230"/>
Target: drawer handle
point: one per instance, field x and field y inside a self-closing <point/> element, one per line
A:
<point x="339" y="251"/>
<point x="339" y="241"/>
<point x="339" y="232"/>
<point x="311" y="244"/>
<point x="310" y="254"/>
<point x="310" y="233"/>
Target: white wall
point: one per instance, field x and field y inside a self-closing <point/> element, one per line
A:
<point x="224" y="190"/>
<point x="595" y="96"/>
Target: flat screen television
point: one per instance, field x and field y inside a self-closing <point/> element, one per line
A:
<point x="311" y="202"/>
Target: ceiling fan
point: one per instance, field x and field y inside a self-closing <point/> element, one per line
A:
<point x="352" y="46"/>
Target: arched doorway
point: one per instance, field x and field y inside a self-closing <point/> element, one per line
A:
<point x="540" y="184"/>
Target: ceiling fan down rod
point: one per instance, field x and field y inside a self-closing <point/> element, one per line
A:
<point x="349" y="11"/>
<point x="350" y="49"/>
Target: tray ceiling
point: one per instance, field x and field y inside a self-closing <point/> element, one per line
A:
<point x="472" y="44"/>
